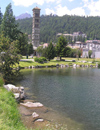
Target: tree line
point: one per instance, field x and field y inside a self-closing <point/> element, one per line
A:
<point x="51" y="25"/>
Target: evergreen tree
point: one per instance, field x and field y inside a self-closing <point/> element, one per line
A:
<point x="40" y="50"/>
<point x="30" y="49"/>
<point x="1" y="16"/>
<point x="50" y="52"/>
<point x="61" y="46"/>
<point x="22" y="44"/>
<point x="68" y="51"/>
<point x="9" y="59"/>
<point x="8" y="25"/>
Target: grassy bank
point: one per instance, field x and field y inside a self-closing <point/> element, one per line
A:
<point x="88" y="61"/>
<point x="9" y="114"/>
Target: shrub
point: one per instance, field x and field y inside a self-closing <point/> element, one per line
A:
<point x="99" y="65"/>
<point x="40" y="59"/>
<point x="93" y="61"/>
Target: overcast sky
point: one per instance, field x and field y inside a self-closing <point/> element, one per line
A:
<point x="59" y="7"/>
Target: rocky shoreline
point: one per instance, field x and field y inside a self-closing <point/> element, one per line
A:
<point x="35" y="115"/>
<point x="62" y="66"/>
<point x="32" y="113"/>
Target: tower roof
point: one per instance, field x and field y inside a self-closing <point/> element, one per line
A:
<point x="36" y="8"/>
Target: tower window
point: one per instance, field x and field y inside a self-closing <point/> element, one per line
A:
<point x="36" y="15"/>
<point x="36" y="20"/>
<point x="36" y="25"/>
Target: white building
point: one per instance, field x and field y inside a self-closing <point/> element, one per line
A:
<point x="74" y="35"/>
<point x="94" y="46"/>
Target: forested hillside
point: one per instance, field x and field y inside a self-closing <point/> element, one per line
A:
<point x="51" y="25"/>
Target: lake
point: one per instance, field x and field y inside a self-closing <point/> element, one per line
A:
<point x="73" y="94"/>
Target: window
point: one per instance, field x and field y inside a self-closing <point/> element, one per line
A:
<point x="36" y="25"/>
<point x="36" y="15"/>
<point x="37" y="20"/>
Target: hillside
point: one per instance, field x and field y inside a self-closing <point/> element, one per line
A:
<point x="51" y="25"/>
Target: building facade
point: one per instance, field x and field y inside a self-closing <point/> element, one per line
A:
<point x="94" y="46"/>
<point x="74" y="35"/>
<point x="36" y="28"/>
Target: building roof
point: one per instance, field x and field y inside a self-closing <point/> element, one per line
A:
<point x="93" y="41"/>
<point x="78" y="42"/>
<point x="36" y="8"/>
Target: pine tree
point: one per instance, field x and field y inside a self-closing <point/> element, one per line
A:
<point x="61" y="46"/>
<point x="50" y="51"/>
<point x="0" y="18"/>
<point x="9" y="26"/>
<point x="9" y="59"/>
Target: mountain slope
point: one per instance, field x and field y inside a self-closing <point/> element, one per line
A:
<point x="51" y="25"/>
<point x="23" y="16"/>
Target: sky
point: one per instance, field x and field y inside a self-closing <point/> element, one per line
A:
<point x="58" y="7"/>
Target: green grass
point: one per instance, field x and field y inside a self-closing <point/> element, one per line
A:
<point x="54" y="62"/>
<point x="9" y="114"/>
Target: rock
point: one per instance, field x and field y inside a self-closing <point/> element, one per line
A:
<point x="15" y="90"/>
<point x="39" y="120"/>
<point x="86" y="65"/>
<point x="67" y="65"/>
<point x="91" y="65"/>
<point x="35" y="115"/>
<point x="18" y="91"/>
<point x="82" y="66"/>
<point x="62" y="65"/>
<point x="78" y="65"/>
<point x="16" y="95"/>
<point x="33" y="66"/>
<point x="57" y="65"/>
<point x="74" y="65"/>
<point x="21" y="95"/>
<point x="32" y="105"/>
<point x="9" y="87"/>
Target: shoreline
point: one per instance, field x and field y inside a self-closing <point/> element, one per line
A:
<point x="52" y="120"/>
<point x="62" y="66"/>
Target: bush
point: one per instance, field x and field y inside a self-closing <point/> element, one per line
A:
<point x="40" y="59"/>
<point x="99" y="65"/>
<point x="93" y="61"/>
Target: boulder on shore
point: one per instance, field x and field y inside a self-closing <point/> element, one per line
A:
<point x="9" y="87"/>
<point x="39" y="120"/>
<point x="32" y="105"/>
<point x="18" y="91"/>
<point x="35" y="115"/>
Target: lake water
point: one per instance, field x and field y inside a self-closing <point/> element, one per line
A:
<point x="73" y="93"/>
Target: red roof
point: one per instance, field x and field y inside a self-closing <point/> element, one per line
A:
<point x="36" y="8"/>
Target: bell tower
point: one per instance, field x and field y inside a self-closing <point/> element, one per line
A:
<point x="36" y="28"/>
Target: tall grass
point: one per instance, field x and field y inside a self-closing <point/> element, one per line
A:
<point x="9" y="114"/>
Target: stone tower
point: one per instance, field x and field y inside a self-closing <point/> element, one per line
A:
<point x="36" y="28"/>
